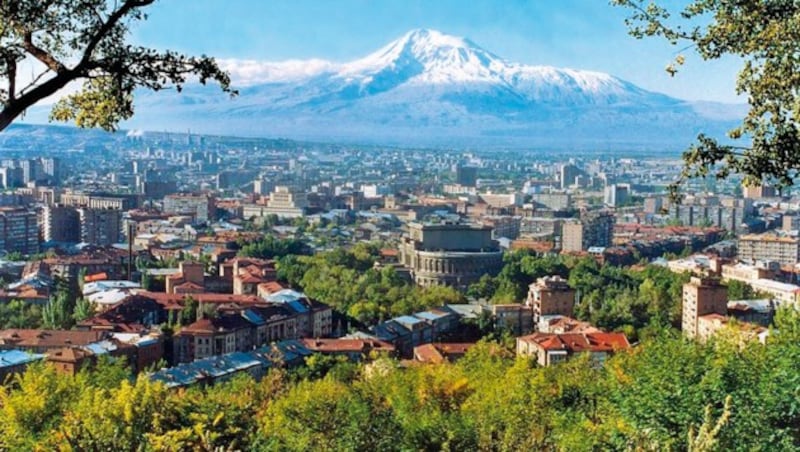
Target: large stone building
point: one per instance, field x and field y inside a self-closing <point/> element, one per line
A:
<point x="285" y="197"/>
<point x="702" y="297"/>
<point x="593" y="229"/>
<point x="550" y="295"/>
<point x="284" y="201"/>
<point x="450" y="254"/>
<point x="769" y="247"/>
<point x="100" y="200"/>
<point x="554" y="201"/>
<point x="201" y="206"/>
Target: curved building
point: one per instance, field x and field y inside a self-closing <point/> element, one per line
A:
<point x="450" y="254"/>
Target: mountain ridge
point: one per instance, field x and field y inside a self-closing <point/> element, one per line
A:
<point x="430" y="88"/>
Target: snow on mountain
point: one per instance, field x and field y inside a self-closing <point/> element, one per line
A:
<point x="430" y="87"/>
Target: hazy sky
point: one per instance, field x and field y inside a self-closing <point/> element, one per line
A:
<point x="581" y="34"/>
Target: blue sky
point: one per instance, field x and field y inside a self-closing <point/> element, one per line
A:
<point x="581" y="34"/>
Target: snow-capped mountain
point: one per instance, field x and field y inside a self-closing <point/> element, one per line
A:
<point x="430" y="88"/>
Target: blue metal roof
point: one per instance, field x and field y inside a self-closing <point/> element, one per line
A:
<point x="407" y="319"/>
<point x="253" y="317"/>
<point x="298" y="307"/>
<point x="10" y="358"/>
<point x="430" y="315"/>
<point x="100" y="347"/>
<point x="214" y="367"/>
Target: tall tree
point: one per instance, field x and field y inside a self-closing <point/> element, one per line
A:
<point x="86" y="41"/>
<point x="765" y="34"/>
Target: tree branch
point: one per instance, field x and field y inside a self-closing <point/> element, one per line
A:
<point x="40" y="54"/>
<point x="34" y="81"/>
<point x="20" y="104"/>
<point x="112" y="21"/>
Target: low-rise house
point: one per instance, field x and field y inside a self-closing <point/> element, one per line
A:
<point x="209" y="371"/>
<point x="133" y="314"/>
<point x="396" y="334"/>
<point x="206" y="337"/>
<point x="288" y="353"/>
<point x="190" y="279"/>
<point x="149" y="348"/>
<point x="42" y="341"/>
<point x="560" y="324"/>
<point x="782" y="293"/>
<point x="760" y="312"/>
<point x="14" y="362"/>
<point x="441" y="321"/>
<point x="314" y="319"/>
<point x="550" y="348"/>
<point x="353" y="349"/>
<point x="710" y="324"/>
<point x="70" y="360"/>
<point x="421" y="331"/>
<point x="437" y="353"/>
<point x="516" y="318"/>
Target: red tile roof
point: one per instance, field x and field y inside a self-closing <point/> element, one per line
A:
<point x="28" y="338"/>
<point x="96" y="277"/>
<point x="346" y="345"/>
<point x="575" y="342"/>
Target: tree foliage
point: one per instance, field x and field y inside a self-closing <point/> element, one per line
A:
<point x="20" y="314"/>
<point x="348" y="281"/>
<point x="86" y="41"/>
<point x="765" y="35"/>
<point x="666" y="394"/>
<point x="613" y="298"/>
<point x="270" y="247"/>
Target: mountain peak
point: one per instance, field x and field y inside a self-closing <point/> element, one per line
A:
<point x="424" y="37"/>
<point x="437" y="56"/>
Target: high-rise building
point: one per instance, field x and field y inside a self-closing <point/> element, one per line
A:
<point x="594" y="229"/>
<point x="154" y="184"/>
<point x="31" y="170"/>
<point x="61" y="224"/>
<point x="263" y="186"/>
<point x="51" y="169"/>
<point x="616" y="194"/>
<point x="702" y="296"/>
<point x="11" y="177"/>
<point x="568" y="174"/>
<point x="466" y="176"/>
<point x="550" y="295"/>
<point x="19" y="230"/>
<point x="100" y="226"/>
